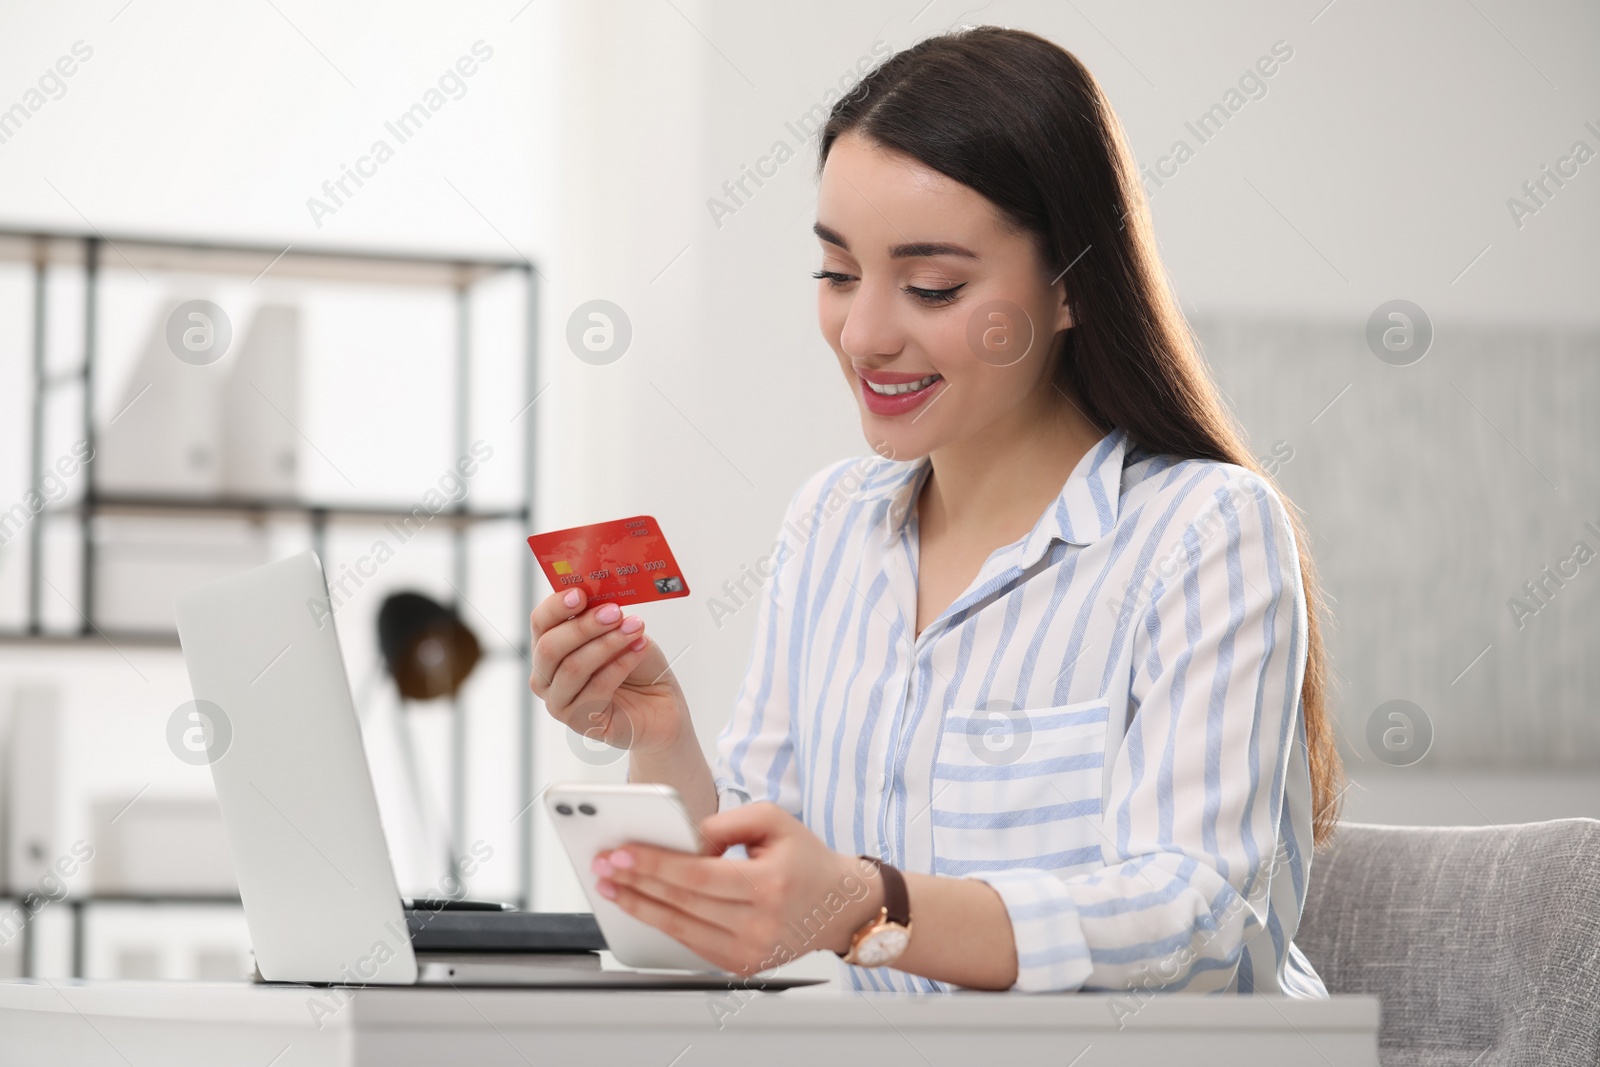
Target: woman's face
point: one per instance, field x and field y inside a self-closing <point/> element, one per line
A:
<point x="923" y="279"/>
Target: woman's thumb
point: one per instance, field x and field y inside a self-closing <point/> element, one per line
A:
<point x="747" y="824"/>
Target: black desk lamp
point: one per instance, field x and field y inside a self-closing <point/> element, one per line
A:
<point x="429" y="652"/>
<point x="428" y="649"/>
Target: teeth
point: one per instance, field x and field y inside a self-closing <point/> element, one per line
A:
<point x="908" y="387"/>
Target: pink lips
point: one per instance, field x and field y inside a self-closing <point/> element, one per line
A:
<point x="894" y="405"/>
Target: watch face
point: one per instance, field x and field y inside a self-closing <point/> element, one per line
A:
<point x="882" y="946"/>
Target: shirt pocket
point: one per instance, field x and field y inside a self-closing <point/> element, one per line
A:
<point x="1019" y="788"/>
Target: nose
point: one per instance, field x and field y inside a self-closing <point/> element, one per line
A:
<point x="870" y="325"/>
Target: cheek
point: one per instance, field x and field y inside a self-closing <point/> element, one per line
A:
<point x="942" y="339"/>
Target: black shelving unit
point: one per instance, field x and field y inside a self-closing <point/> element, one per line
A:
<point x="97" y="251"/>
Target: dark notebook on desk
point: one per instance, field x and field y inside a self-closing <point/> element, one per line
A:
<point x="457" y="929"/>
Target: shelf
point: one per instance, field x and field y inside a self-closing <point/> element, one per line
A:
<point x="118" y="639"/>
<point x="155" y="898"/>
<point x="131" y="251"/>
<point x="261" y="507"/>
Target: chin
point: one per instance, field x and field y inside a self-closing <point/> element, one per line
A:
<point x="891" y="447"/>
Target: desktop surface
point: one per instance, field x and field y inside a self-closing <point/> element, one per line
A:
<point x="91" y="1022"/>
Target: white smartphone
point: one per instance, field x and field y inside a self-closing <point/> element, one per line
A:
<point x="595" y="817"/>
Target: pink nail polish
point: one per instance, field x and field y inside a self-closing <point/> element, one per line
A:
<point x="609" y="614"/>
<point x="622" y="858"/>
<point x="571" y="599"/>
<point x="631" y="623"/>
<point x="637" y="645"/>
<point x="601" y="867"/>
<point x="606" y="889"/>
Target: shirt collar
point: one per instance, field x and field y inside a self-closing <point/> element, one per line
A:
<point x="1083" y="512"/>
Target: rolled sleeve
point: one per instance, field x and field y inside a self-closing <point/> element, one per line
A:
<point x="730" y="796"/>
<point x="1052" y="952"/>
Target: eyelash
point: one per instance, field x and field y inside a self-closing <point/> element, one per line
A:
<point x="931" y="297"/>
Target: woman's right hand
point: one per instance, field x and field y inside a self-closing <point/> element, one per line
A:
<point x="599" y="675"/>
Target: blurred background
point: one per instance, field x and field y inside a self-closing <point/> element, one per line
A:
<point x="270" y="271"/>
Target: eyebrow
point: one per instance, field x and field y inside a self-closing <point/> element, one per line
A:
<point x="905" y="251"/>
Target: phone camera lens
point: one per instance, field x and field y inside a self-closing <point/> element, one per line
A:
<point x="587" y="809"/>
<point x="563" y="809"/>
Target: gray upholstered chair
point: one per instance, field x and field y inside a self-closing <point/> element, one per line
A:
<point x="1482" y="944"/>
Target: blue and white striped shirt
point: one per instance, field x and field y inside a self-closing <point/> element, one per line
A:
<point x="1105" y="726"/>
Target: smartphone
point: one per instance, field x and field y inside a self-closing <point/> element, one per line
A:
<point x="595" y="817"/>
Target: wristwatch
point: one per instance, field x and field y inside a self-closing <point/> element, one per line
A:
<point x="882" y="939"/>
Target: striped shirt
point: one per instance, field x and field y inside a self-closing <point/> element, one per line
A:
<point x="1105" y="726"/>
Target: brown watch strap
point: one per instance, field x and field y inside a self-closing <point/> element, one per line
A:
<point x="896" y="900"/>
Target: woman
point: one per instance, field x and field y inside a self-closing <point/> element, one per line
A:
<point x="1050" y="662"/>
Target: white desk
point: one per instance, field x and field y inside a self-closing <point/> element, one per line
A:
<point x="176" y="1024"/>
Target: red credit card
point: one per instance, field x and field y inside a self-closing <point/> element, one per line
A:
<point x="626" y="560"/>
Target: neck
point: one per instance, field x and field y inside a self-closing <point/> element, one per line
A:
<point x="998" y="481"/>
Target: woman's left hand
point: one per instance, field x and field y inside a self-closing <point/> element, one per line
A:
<point x="792" y="896"/>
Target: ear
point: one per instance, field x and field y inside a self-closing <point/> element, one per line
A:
<point x="1064" y="319"/>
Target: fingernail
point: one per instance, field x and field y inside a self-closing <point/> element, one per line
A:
<point x="606" y="889"/>
<point x="637" y="645"/>
<point x="610" y="613"/>
<point x="631" y="623"/>
<point x="571" y="599"/>
<point x="622" y="858"/>
<point x="601" y="867"/>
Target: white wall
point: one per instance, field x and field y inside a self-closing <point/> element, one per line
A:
<point x="212" y="120"/>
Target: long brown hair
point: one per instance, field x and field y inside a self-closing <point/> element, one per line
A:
<point x="1021" y="121"/>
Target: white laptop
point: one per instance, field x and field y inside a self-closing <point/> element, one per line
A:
<point x="315" y="878"/>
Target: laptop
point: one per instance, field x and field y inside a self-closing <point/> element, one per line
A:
<point x="315" y="878"/>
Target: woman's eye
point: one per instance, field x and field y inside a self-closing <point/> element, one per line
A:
<point x="932" y="297"/>
<point x="935" y="296"/>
